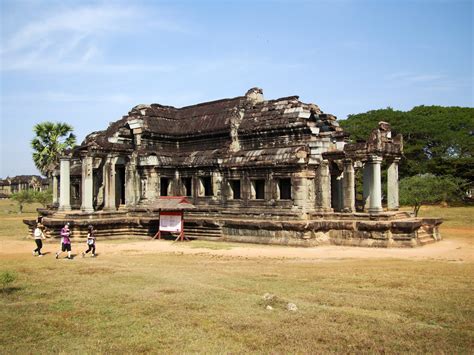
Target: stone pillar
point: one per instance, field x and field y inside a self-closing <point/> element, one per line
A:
<point x="109" y="182"/>
<point x="152" y="188"/>
<point x="348" y="186"/>
<point x="323" y="201"/>
<point x="366" y="182"/>
<point x="176" y="184"/>
<point x="87" y="184"/>
<point x="299" y="191"/>
<point x="55" y="190"/>
<point x="375" y="199"/>
<point x="217" y="185"/>
<point x="392" y="185"/>
<point x="132" y="183"/>
<point x="65" y="185"/>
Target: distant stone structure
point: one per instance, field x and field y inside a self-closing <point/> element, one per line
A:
<point x="265" y="171"/>
<point x="11" y="185"/>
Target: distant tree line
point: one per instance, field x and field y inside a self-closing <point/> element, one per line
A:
<point x="438" y="148"/>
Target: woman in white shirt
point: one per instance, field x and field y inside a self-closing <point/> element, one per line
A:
<point x="38" y="235"/>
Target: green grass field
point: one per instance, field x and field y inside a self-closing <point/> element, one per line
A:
<point x="172" y="303"/>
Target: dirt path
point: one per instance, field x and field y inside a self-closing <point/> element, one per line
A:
<point x="459" y="249"/>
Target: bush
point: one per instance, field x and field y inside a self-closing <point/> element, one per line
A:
<point x="6" y="278"/>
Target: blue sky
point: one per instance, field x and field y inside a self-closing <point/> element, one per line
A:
<point x="88" y="62"/>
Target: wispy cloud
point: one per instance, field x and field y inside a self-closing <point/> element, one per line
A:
<point x="408" y="77"/>
<point x="64" y="97"/>
<point x="427" y="81"/>
<point x="72" y="39"/>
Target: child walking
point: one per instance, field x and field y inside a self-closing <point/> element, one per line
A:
<point x="65" y="241"/>
<point x="90" y="241"/>
<point x="38" y="235"/>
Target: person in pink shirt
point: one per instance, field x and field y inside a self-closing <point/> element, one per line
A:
<point x="65" y="241"/>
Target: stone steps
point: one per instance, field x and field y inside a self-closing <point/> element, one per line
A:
<point x="425" y="238"/>
<point x="202" y="232"/>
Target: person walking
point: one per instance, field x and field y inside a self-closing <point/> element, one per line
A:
<point x="38" y="235"/>
<point x="65" y="241"/>
<point x="90" y="241"/>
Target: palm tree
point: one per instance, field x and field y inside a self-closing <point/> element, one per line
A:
<point x="51" y="140"/>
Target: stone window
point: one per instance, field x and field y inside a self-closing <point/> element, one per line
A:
<point x="257" y="189"/>
<point x="164" y="185"/>
<point x="188" y="186"/>
<point x="234" y="186"/>
<point x="284" y="189"/>
<point x="205" y="186"/>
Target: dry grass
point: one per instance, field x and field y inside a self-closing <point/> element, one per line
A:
<point x="184" y="303"/>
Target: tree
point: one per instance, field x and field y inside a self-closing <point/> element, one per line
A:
<point x="437" y="140"/>
<point x="425" y="189"/>
<point x="51" y="140"/>
<point x="43" y="197"/>
<point x="22" y="197"/>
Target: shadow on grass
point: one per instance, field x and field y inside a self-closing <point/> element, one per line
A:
<point x="10" y="290"/>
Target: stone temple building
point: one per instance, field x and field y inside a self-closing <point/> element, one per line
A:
<point x="266" y="171"/>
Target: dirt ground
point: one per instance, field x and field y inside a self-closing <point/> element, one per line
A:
<point x="457" y="249"/>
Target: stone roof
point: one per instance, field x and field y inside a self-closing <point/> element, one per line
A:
<point x="24" y="179"/>
<point x="251" y="112"/>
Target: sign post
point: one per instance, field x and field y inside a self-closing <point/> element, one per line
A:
<point x="172" y="222"/>
<point x="171" y="210"/>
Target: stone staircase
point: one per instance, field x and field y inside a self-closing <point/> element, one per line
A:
<point x="203" y="232"/>
<point x="424" y="237"/>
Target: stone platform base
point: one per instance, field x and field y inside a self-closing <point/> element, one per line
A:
<point x="384" y="230"/>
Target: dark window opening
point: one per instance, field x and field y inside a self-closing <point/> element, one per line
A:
<point x="284" y="185"/>
<point x="258" y="189"/>
<point x="119" y="185"/>
<point x="164" y="185"/>
<point x="235" y="189"/>
<point x="187" y="183"/>
<point x="206" y="186"/>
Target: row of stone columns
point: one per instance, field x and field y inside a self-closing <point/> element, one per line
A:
<point x="372" y="186"/>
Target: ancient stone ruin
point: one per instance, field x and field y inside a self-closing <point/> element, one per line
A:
<point x="262" y="171"/>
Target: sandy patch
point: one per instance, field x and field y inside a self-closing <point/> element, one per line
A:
<point x="454" y="250"/>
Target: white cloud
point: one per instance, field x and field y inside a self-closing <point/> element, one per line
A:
<point x="409" y="77"/>
<point x="71" y="40"/>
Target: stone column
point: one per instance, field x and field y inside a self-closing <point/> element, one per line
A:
<point x="132" y="183"/>
<point x="152" y="190"/>
<point x="348" y="186"/>
<point x="324" y="188"/>
<point x="366" y="182"/>
<point x="55" y="190"/>
<point x="109" y="182"/>
<point x="87" y="184"/>
<point x="375" y="199"/>
<point x="217" y="185"/>
<point x="392" y="185"/>
<point x="65" y="185"/>
<point x="298" y="191"/>
<point x="176" y="184"/>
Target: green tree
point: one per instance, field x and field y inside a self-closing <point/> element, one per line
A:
<point x="22" y="197"/>
<point x="425" y="189"/>
<point x="437" y="140"/>
<point x="44" y="197"/>
<point x="51" y="140"/>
